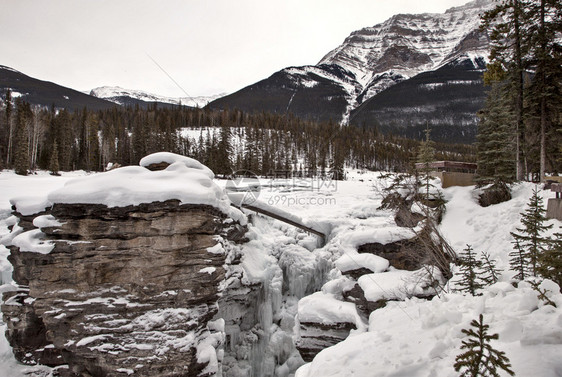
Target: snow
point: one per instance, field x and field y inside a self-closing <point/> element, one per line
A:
<point x="45" y="221"/>
<point x="32" y="241"/>
<point x="415" y="337"/>
<point x="384" y="235"/>
<point x="398" y="284"/>
<point x="208" y="270"/>
<point x="422" y="338"/>
<point x="347" y="262"/>
<point x="411" y="337"/>
<point x="324" y="308"/>
<point x="132" y="185"/>
<point x="29" y="205"/>
<point x="112" y="93"/>
<point x="171" y="158"/>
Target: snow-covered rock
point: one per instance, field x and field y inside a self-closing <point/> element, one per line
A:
<point x="121" y="267"/>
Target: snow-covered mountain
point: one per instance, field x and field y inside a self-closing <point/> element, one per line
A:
<point x="448" y="48"/>
<point x="122" y="96"/>
<point x="406" y="45"/>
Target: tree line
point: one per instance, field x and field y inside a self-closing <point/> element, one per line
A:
<point x="520" y="130"/>
<point x="228" y="140"/>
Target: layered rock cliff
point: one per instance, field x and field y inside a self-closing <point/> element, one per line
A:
<point x="116" y="290"/>
<point x="123" y="289"/>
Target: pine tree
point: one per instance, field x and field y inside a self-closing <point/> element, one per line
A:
<point x="470" y="267"/>
<point x="426" y="155"/>
<point x="519" y="261"/>
<point x="224" y="152"/>
<point x="495" y="156"/>
<point x="10" y="127"/>
<point x="550" y="261"/>
<point x="480" y="359"/>
<point x="545" y="92"/>
<point x="21" y="139"/>
<point x="530" y="238"/>
<point x="54" y="159"/>
<point x="509" y="45"/>
<point x="490" y="272"/>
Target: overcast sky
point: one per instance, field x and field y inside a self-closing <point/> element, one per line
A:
<point x="206" y="46"/>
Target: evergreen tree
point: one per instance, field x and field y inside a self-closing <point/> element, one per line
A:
<point x="426" y="155"/>
<point x="64" y="136"/>
<point x="495" y="156"/>
<point x="9" y="127"/>
<point x="550" y="261"/>
<point x="519" y="261"/>
<point x="490" y="272"/>
<point x="480" y="359"/>
<point x="470" y="267"/>
<point x="545" y="92"/>
<point x="530" y="238"/>
<point x="54" y="159"/>
<point x="21" y="138"/>
<point x="542" y="292"/>
<point x="224" y="152"/>
<point x="509" y="45"/>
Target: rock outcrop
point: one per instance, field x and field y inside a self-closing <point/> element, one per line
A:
<point x="121" y="273"/>
<point x="123" y="290"/>
<point x="314" y="337"/>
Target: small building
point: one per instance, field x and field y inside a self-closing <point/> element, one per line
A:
<point x="554" y="205"/>
<point x="451" y="173"/>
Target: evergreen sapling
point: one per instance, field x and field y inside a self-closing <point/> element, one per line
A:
<point x="530" y="238"/>
<point x="519" y="261"/>
<point x="550" y="261"/>
<point x="470" y="267"/>
<point x="490" y="271"/>
<point x="480" y="359"/>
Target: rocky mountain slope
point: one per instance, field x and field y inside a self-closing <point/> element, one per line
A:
<point x="45" y="93"/>
<point x="374" y="59"/>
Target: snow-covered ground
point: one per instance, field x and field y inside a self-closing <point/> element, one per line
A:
<point x="413" y="337"/>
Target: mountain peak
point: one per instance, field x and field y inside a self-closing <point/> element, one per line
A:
<point x="408" y="44"/>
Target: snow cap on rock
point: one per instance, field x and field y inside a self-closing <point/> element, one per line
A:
<point x="184" y="179"/>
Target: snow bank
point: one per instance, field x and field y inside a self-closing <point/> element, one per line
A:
<point x="171" y="158"/>
<point x="29" y="205"/>
<point x="324" y="308"/>
<point x="399" y="284"/>
<point x="384" y="235"/>
<point x="418" y="338"/>
<point x="422" y="338"/>
<point x="32" y="241"/>
<point x="133" y="185"/>
<point x="349" y="262"/>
